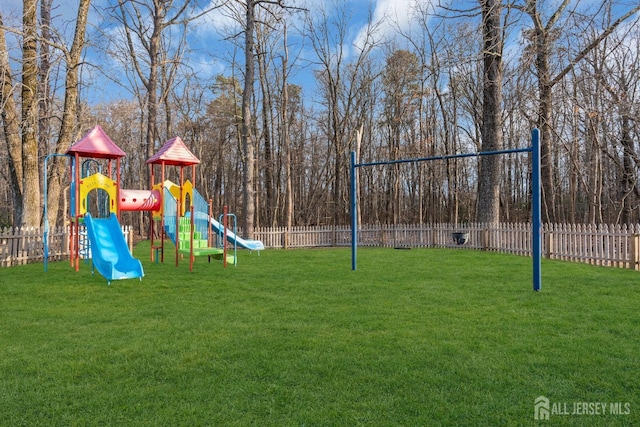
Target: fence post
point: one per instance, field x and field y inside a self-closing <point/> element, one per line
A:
<point x="635" y="251"/>
<point x="485" y="239"/>
<point x="549" y="245"/>
<point x="65" y="240"/>
<point x="334" y="236"/>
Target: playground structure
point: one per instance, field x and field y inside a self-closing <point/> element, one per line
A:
<point x="178" y="211"/>
<point x="536" y="215"/>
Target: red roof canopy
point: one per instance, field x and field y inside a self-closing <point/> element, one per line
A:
<point x="174" y="153"/>
<point x="96" y="144"/>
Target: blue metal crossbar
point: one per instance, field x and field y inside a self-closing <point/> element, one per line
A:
<point x="447" y="157"/>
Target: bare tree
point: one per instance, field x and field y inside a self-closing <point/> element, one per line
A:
<point x="401" y="84"/>
<point x="489" y="167"/>
<point x="155" y="36"/>
<point x="145" y="23"/>
<point x="45" y="98"/>
<point x="11" y="128"/>
<point x="621" y="81"/>
<point x="247" y="134"/>
<point x="450" y="112"/>
<point x="23" y="156"/>
<point x="268" y="93"/>
<point x="542" y="36"/>
<point x="607" y="119"/>
<point x="248" y="142"/>
<point x="69" y="128"/>
<point x="287" y="120"/>
<point x="493" y="36"/>
<point x="342" y="83"/>
<point x="29" y="100"/>
<point x="224" y="113"/>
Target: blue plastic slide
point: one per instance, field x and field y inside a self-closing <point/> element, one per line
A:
<point x="109" y="250"/>
<point x="252" y="245"/>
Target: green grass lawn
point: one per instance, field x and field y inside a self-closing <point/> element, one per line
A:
<point x="419" y="337"/>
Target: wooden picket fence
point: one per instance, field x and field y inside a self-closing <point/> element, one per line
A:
<point x="607" y="245"/>
<point x="22" y="245"/>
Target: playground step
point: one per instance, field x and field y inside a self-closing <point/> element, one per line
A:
<point x="230" y="258"/>
<point x="197" y="243"/>
<point x="187" y="235"/>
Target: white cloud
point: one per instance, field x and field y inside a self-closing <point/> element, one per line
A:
<point x="388" y="16"/>
<point x="399" y="11"/>
<point x="218" y="21"/>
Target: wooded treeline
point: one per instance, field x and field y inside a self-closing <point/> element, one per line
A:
<point x="395" y="91"/>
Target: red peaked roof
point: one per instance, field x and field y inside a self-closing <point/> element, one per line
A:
<point x="174" y="153"/>
<point x="96" y="144"/>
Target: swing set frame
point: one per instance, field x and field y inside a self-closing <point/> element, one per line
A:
<point x="536" y="215"/>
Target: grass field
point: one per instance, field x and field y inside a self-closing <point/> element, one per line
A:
<point x="415" y="337"/>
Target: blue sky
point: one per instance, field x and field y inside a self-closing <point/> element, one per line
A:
<point x="210" y="53"/>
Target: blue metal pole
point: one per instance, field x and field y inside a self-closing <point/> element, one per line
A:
<point x="354" y="213"/>
<point x="536" y="213"/>
<point x="46" y="219"/>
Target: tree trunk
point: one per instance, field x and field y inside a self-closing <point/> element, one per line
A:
<point x="30" y="165"/>
<point x="11" y="129"/>
<point x="544" y="124"/>
<point x="489" y="167"/>
<point x="45" y="98"/>
<point x="152" y="84"/>
<point x="542" y="45"/>
<point x="248" y="198"/>
<point x="269" y="181"/>
<point x="285" y="136"/>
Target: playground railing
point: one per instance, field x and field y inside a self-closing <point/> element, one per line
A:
<point x="23" y="245"/>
